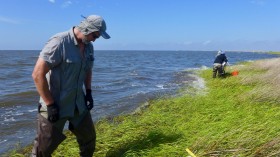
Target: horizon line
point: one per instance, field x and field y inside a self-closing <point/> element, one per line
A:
<point x="152" y="50"/>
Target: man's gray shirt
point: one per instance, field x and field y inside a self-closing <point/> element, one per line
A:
<point x="67" y="72"/>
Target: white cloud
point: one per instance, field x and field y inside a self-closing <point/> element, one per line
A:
<point x="207" y="42"/>
<point x="7" y="20"/>
<point x="187" y="43"/>
<point x="66" y="4"/>
<point x="52" y="1"/>
<point x="258" y="2"/>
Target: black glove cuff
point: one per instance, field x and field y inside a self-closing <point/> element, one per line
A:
<point x="53" y="112"/>
<point x="51" y="105"/>
<point x="88" y="91"/>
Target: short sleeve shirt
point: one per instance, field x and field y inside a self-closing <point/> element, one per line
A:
<point x="68" y="69"/>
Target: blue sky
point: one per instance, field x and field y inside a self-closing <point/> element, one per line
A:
<point x="248" y="25"/>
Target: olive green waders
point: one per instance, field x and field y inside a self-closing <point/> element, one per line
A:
<point x="218" y="68"/>
<point x="49" y="135"/>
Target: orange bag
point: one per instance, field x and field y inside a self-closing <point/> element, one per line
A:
<point x="234" y="73"/>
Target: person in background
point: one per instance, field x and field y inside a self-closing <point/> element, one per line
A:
<point x="62" y="76"/>
<point x="219" y="64"/>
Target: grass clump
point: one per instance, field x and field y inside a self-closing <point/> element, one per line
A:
<point x="235" y="116"/>
<point x="274" y="52"/>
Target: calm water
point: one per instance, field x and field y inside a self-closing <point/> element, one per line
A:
<point x="122" y="81"/>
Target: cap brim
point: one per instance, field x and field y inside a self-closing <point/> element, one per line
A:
<point x="105" y="35"/>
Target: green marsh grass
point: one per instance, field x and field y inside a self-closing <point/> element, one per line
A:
<point x="232" y="116"/>
<point x="276" y="53"/>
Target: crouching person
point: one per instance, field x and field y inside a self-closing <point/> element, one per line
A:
<point x="63" y="76"/>
<point x="219" y="64"/>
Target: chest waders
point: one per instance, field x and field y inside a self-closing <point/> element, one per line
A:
<point x="49" y="136"/>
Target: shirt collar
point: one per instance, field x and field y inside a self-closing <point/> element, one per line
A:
<point x="73" y="36"/>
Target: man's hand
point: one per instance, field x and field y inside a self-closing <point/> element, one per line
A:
<point x="89" y="99"/>
<point x="53" y="112"/>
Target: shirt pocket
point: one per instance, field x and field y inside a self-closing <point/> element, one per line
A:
<point x="72" y="68"/>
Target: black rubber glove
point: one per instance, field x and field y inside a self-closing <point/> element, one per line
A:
<point x="53" y="113"/>
<point x="89" y="99"/>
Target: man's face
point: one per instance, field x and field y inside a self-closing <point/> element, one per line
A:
<point x="91" y="37"/>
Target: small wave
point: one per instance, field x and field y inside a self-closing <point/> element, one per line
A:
<point x="203" y="67"/>
<point x="25" y="93"/>
<point x="35" y="110"/>
<point x="143" y="78"/>
<point x="12" y="119"/>
<point x="198" y="83"/>
<point x="9" y="111"/>
<point x="98" y="87"/>
<point x="133" y="73"/>
<point x="3" y="141"/>
<point x="250" y="61"/>
<point x="18" y="99"/>
<point x="135" y="85"/>
<point x="161" y="86"/>
<point x="18" y="114"/>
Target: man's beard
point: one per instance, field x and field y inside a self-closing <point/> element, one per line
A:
<point x="85" y="41"/>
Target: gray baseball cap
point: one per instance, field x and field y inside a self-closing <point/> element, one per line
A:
<point x="93" y="23"/>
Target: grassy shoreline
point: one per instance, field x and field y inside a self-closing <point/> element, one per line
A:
<point x="235" y="116"/>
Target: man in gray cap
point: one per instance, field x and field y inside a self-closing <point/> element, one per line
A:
<point x="63" y="76"/>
